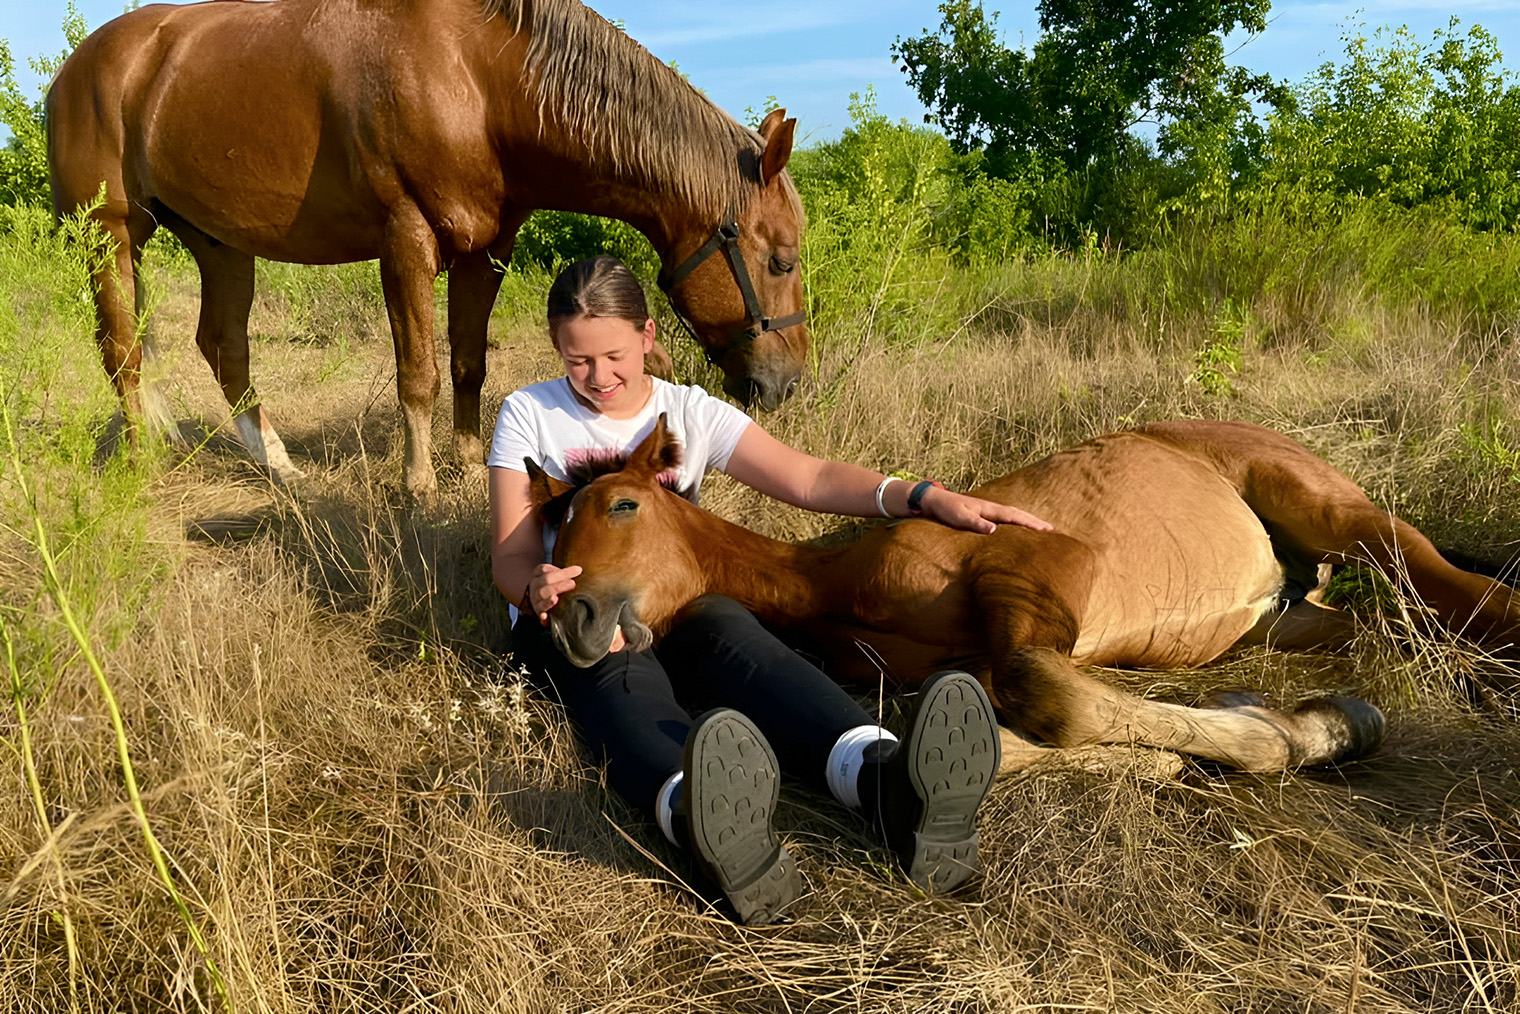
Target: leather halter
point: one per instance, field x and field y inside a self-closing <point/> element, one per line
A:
<point x="726" y="239"/>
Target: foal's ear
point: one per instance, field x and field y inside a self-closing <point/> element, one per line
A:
<point x="549" y="496"/>
<point x="656" y="453"/>
<point x="778" y="132"/>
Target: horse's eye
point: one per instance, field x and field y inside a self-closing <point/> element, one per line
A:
<point x="781" y="267"/>
<point x="623" y="506"/>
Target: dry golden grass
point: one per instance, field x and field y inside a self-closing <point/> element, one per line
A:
<point x="367" y="812"/>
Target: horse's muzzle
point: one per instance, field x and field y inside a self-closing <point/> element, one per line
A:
<point x="582" y="627"/>
<point x="763" y="390"/>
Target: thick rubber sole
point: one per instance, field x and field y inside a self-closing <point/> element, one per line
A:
<point x="953" y="752"/>
<point x="732" y="785"/>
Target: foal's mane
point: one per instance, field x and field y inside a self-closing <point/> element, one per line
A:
<point x="632" y="113"/>
<point x="585" y="469"/>
<point x="592" y="466"/>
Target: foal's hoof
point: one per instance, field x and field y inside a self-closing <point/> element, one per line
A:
<point x="1350" y="728"/>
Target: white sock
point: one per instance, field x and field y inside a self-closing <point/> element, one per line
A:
<point x="846" y="759"/>
<point x="664" y="805"/>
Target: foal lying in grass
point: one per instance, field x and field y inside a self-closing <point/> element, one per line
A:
<point x="1172" y="543"/>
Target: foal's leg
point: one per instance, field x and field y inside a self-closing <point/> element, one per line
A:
<point x="409" y="261"/>
<point x="1030" y="631"/>
<point x="1311" y="509"/>
<point x="222" y="336"/>
<point x="1041" y="691"/>
<point x="1301" y="626"/>
<point x="1307" y="503"/>
<point x="473" y="283"/>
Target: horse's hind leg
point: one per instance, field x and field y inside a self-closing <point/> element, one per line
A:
<point x="1310" y="506"/>
<point x="118" y="300"/>
<point x="222" y="336"/>
<point x="1041" y="691"/>
<point x="1314" y="511"/>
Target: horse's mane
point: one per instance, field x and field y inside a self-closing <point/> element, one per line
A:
<point x="612" y="96"/>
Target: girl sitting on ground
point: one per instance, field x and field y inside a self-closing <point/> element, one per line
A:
<point x="711" y="784"/>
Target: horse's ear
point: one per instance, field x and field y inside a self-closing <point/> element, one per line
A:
<point x="771" y="122"/>
<point x="549" y="497"/>
<point x="778" y="133"/>
<point x="656" y="453"/>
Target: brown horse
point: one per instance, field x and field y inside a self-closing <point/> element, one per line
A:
<point x="1171" y="543"/>
<point x="421" y="132"/>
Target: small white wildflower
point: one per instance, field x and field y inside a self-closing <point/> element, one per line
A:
<point x="331" y="773"/>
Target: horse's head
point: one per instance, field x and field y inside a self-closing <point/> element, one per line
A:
<point x="741" y="288"/>
<point x="629" y="534"/>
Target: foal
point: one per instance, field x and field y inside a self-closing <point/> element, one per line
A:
<point x="1171" y="543"/>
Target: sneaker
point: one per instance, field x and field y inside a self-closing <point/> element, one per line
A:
<point x="730" y="793"/>
<point x="925" y="791"/>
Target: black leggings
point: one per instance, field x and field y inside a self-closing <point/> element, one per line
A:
<point x="717" y="655"/>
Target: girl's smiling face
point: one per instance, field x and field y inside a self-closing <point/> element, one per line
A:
<point x="604" y="362"/>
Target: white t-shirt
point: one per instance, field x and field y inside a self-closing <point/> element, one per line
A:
<point x="547" y="423"/>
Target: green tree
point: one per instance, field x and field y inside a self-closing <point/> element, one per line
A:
<point x="1408" y="123"/>
<point x="23" y="160"/>
<point x="1099" y="68"/>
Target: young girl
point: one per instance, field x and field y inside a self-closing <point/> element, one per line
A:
<point x="711" y="784"/>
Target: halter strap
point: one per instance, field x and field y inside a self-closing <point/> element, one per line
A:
<point x="726" y="239"/>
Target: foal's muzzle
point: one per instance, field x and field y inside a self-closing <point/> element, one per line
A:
<point x="582" y="627"/>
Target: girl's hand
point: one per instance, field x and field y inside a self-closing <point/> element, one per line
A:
<point x="972" y="514"/>
<point x="545" y="587"/>
<point x="546" y="584"/>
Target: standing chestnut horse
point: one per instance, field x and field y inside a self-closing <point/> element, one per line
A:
<point x="421" y="132"/>
<point x="1171" y="543"/>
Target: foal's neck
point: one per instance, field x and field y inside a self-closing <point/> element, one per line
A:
<point x="780" y="582"/>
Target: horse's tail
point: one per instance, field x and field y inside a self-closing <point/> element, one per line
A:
<point x="156" y="413"/>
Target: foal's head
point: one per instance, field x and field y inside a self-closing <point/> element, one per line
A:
<point x="632" y="538"/>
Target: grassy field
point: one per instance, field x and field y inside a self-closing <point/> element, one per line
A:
<point x="358" y="807"/>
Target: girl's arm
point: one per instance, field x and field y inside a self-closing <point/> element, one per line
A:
<point x="517" y="548"/>
<point x="766" y="464"/>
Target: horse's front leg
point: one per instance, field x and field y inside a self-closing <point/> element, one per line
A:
<point x="409" y="261"/>
<point x="474" y="281"/>
<point x="1031" y="608"/>
<point x="1055" y="702"/>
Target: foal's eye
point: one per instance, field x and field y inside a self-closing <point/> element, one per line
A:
<point x="624" y="506"/>
<point x="781" y="267"/>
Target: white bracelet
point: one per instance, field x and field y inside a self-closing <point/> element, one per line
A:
<point x="881" y="504"/>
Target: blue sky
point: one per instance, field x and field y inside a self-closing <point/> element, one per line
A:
<point x="812" y="54"/>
